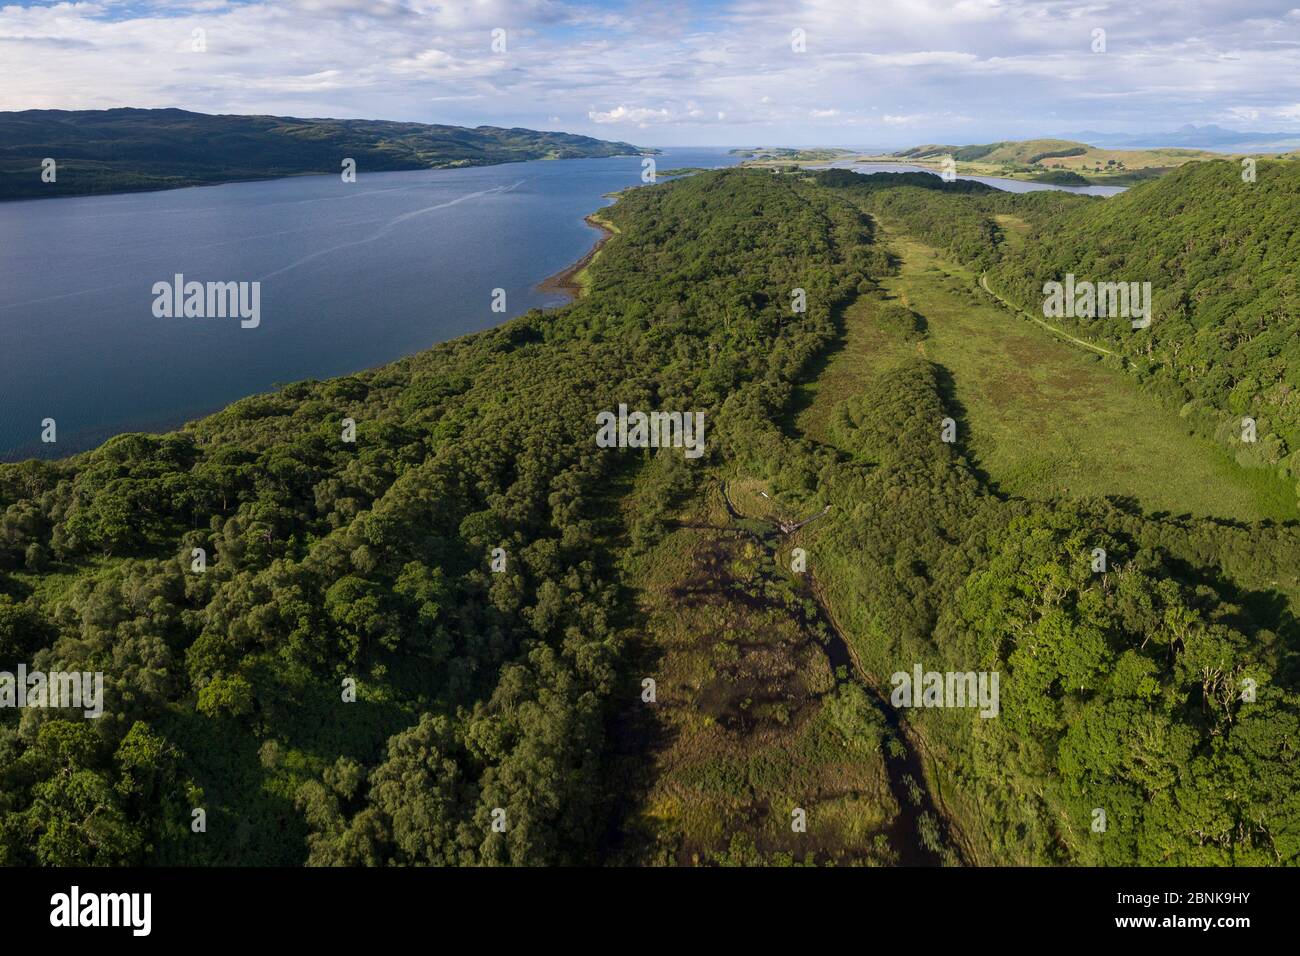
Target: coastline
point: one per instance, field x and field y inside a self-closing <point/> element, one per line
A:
<point x="566" y="281"/>
<point x="73" y="443"/>
<point x="158" y="187"/>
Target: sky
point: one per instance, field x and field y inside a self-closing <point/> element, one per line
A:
<point x="856" y="73"/>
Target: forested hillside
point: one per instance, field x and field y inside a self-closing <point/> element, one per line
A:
<point x="476" y="690"/>
<point x="516" y="695"/>
<point x="98" y="151"/>
<point x="967" y="228"/>
<point x="1221" y="255"/>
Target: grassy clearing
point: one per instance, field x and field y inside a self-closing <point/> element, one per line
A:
<point x="1043" y="418"/>
<point x="746" y="734"/>
<point x="1014" y="230"/>
<point x="866" y="352"/>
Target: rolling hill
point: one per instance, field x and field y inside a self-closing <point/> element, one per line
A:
<point x="119" y="150"/>
<point x="1038" y="159"/>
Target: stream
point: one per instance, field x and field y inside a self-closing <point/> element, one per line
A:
<point x="905" y="829"/>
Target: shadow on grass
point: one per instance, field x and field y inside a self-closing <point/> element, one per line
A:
<point x="957" y="411"/>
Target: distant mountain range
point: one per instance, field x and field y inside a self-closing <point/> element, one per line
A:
<point x="99" y="151"/>
<point x="1188" y="135"/>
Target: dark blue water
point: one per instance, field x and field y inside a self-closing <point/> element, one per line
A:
<point x="352" y="276"/>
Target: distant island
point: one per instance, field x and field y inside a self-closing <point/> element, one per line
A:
<point x="1060" y="177"/>
<point x="127" y="150"/>
<point x="769" y="154"/>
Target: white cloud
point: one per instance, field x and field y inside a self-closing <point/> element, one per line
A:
<point x="1286" y="114"/>
<point x="623" y="114"/>
<point x="685" y="71"/>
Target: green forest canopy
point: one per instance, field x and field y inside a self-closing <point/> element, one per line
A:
<point x="475" y="690"/>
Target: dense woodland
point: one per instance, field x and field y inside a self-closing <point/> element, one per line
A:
<point x="1220" y="253"/>
<point x="477" y="690"/>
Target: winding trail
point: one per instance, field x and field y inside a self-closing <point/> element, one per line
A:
<point x="984" y="284"/>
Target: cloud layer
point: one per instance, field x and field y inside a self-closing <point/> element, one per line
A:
<point x="875" y="72"/>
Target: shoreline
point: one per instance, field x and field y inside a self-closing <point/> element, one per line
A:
<point x="565" y="282"/>
<point x="274" y="177"/>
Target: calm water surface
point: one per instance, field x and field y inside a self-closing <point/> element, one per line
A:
<point x="352" y="276"/>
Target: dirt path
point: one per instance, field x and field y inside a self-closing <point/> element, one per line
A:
<point x="984" y="284"/>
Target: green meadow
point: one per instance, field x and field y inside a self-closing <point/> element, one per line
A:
<point x="1042" y="418"/>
